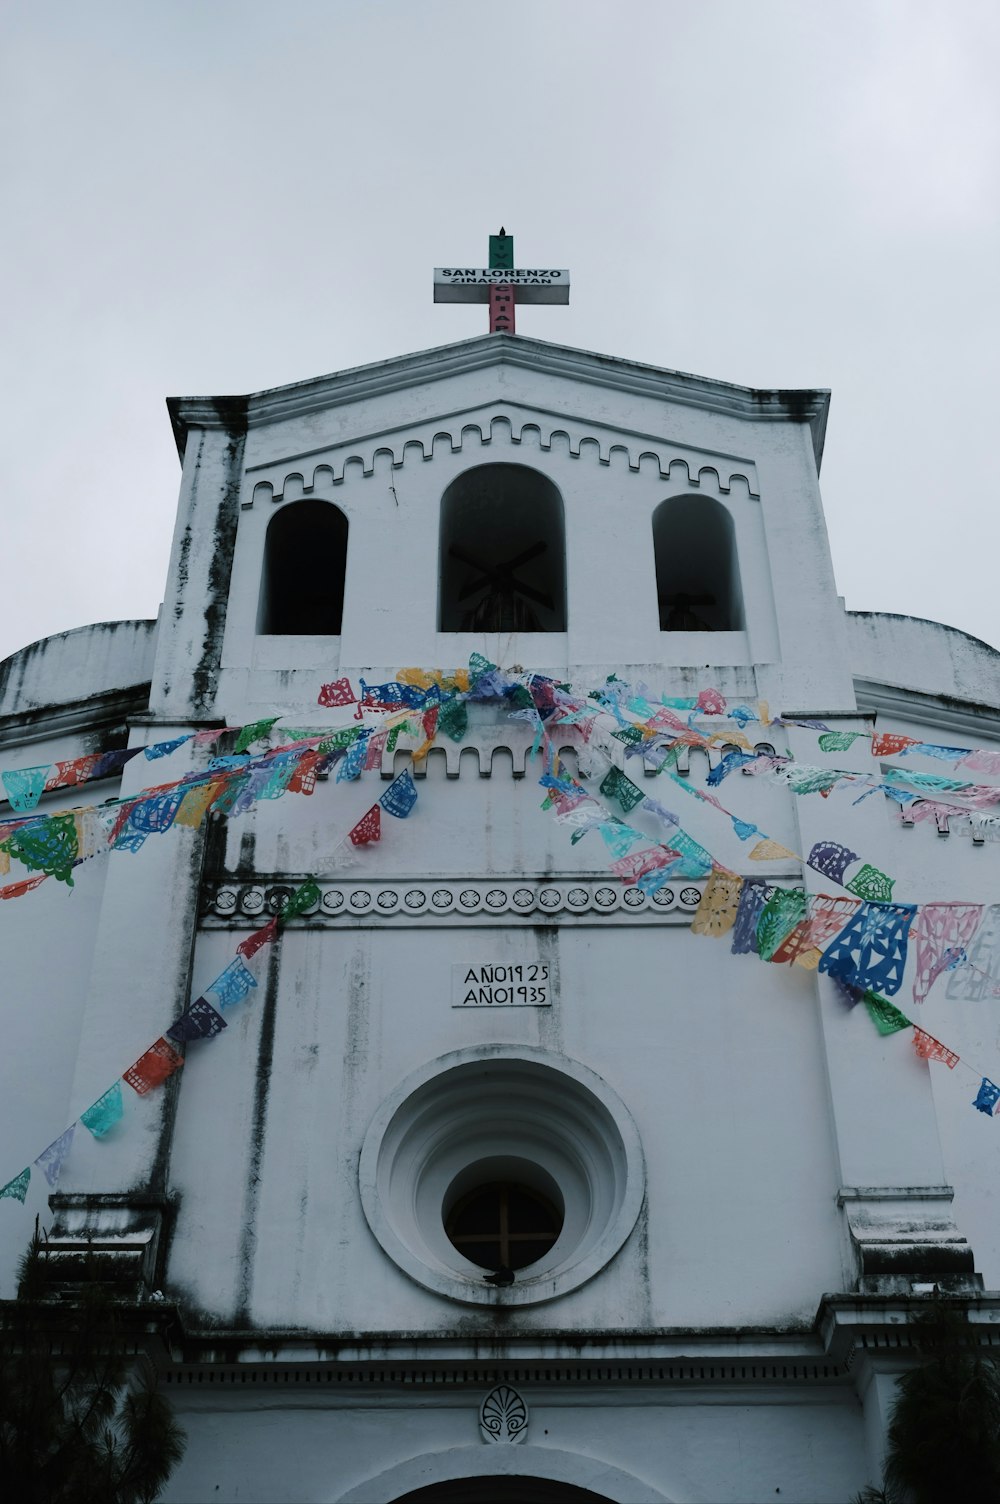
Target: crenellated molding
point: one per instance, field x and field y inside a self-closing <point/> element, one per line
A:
<point x="505" y="749"/>
<point x="678" y="466"/>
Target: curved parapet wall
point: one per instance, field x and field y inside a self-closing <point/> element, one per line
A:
<point x="927" y="657"/>
<point x="108" y="658"/>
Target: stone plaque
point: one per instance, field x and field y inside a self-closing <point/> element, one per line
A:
<point x="500" y="984"/>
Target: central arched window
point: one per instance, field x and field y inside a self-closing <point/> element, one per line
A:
<point x="503" y="1225"/>
<point x="305" y="562"/>
<point x="502" y="553"/>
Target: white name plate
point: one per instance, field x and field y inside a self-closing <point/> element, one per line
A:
<point x="524" y="984"/>
<point x="471" y="284"/>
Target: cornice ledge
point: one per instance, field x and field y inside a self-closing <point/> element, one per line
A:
<point x="371" y="1351"/>
<point x="967" y="717"/>
<point x="848" y="1193"/>
<point x="112" y="709"/>
<point x="850" y="1322"/>
<point x="808" y="405"/>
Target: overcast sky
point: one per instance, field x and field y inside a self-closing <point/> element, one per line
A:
<point x="216" y="196"/>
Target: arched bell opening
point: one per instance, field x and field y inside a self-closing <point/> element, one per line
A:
<point x="305" y="565"/>
<point x="697" y="569"/>
<point x="503" y="554"/>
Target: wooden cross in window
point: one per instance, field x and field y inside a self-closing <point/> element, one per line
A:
<point x="677" y="612"/>
<point x="500" y="610"/>
<point x="504" y="1226"/>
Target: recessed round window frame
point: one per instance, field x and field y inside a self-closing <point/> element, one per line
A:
<point x="508" y="1107"/>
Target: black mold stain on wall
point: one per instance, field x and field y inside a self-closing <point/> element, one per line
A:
<point x="216" y="831"/>
<point x="550" y="1019"/>
<point x="233" y="413"/>
<point x="245" y="866"/>
<point x="258" y="1129"/>
<point x="183" y="564"/>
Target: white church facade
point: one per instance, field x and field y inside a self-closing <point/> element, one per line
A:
<point x="517" y="1171"/>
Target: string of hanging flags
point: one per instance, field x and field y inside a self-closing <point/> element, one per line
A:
<point x="54" y="845"/>
<point x="419" y="689"/>
<point x="860" y="940"/>
<point x="204" y="1018"/>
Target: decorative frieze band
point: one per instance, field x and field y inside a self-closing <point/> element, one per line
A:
<point x="673" y="464"/>
<point x="801" y="1368"/>
<point x="453" y="900"/>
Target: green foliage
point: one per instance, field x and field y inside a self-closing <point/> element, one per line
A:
<point x="944" y="1429"/>
<point x="79" y="1422"/>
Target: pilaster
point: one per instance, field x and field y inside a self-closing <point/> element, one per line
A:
<point x="894" y="1196"/>
<point x="112" y="1201"/>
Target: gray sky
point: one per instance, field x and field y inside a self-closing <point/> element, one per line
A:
<point x="215" y="196"/>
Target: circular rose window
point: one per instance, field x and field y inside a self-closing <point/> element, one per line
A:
<point x="502" y="1174"/>
<point x="502" y="1225"/>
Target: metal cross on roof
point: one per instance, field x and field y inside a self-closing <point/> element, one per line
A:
<point x="501" y="284"/>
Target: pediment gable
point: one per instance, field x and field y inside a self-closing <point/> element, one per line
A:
<point x="389" y="404"/>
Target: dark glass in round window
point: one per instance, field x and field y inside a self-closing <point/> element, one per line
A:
<point x="502" y="1225"/>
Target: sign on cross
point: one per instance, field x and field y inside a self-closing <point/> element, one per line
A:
<point x="501" y="284"/>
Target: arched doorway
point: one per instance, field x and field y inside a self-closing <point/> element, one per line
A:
<point x="505" y="1475"/>
<point x="524" y="1490"/>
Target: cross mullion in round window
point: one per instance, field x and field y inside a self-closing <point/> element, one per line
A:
<point x="503" y="1225"/>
